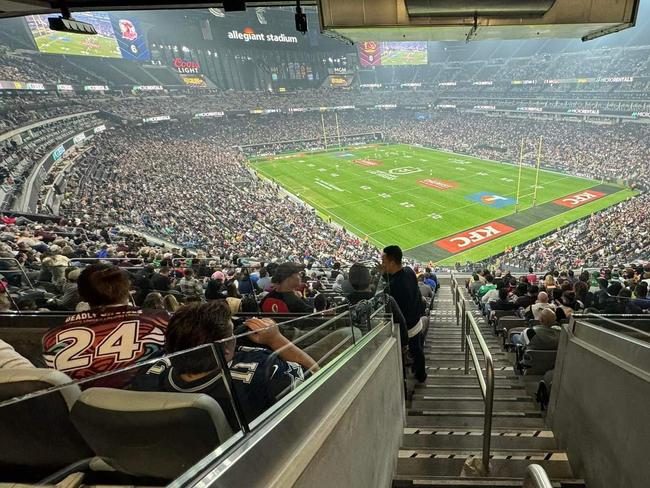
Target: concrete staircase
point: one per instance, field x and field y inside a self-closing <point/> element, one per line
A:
<point x="445" y="417"/>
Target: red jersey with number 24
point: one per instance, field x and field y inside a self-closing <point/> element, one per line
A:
<point x="105" y="339"/>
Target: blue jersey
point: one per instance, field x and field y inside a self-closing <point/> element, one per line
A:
<point x="259" y="377"/>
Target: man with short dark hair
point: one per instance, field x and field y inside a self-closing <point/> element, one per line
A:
<point x="109" y="336"/>
<point x="284" y="298"/>
<point x="161" y="281"/>
<point x="260" y="375"/>
<point x="403" y="286"/>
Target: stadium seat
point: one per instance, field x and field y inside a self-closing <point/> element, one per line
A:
<point x="536" y="362"/>
<point x="36" y="434"/>
<point x="152" y="435"/>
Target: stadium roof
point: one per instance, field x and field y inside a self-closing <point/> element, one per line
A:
<point x="408" y="20"/>
<point x="15" y="8"/>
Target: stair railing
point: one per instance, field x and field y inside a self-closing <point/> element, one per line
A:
<point x="536" y="477"/>
<point x="469" y="325"/>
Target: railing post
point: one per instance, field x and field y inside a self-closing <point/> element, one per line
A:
<point x="489" y="404"/>
<point x="464" y="331"/>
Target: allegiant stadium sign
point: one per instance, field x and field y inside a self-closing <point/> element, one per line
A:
<point x="249" y="35"/>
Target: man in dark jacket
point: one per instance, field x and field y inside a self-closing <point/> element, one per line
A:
<point x="403" y="287"/>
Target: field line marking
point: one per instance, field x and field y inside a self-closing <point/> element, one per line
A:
<point x="460" y="208"/>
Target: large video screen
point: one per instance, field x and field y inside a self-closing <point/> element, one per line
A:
<point x="117" y="37"/>
<point x="373" y="53"/>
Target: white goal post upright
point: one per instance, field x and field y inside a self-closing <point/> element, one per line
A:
<point x="322" y="121"/>
<point x="521" y="164"/>
<point x="539" y="160"/>
<point x="338" y="132"/>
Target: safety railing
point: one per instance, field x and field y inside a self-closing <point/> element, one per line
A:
<point x="536" y="477"/>
<point x="469" y="325"/>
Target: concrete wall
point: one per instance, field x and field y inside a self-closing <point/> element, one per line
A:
<point x="599" y="408"/>
<point x="361" y="451"/>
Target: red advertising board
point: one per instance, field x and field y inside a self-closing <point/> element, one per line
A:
<point x="366" y="162"/>
<point x="578" y="199"/>
<point x="474" y="237"/>
<point x="437" y="184"/>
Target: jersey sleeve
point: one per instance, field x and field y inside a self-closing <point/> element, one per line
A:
<point x="281" y="377"/>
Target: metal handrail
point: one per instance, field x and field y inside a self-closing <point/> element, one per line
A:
<point x="19" y="268"/>
<point x="536" y="477"/>
<point x="486" y="384"/>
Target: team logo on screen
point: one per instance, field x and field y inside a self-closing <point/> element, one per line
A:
<point x="490" y="199"/>
<point x="128" y="30"/>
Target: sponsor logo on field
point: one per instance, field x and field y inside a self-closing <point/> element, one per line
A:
<point x="441" y="185"/>
<point x="366" y="162"/>
<point x="578" y="199"/>
<point x="473" y="237"/>
<point x="405" y="170"/>
<point x="490" y="199"/>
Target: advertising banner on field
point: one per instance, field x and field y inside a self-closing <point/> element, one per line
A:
<point x="474" y="237"/>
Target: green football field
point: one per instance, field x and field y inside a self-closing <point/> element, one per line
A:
<point x="398" y="58"/>
<point x="64" y="43"/>
<point x="436" y="205"/>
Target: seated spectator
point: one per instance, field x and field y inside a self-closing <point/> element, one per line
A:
<point x="502" y="302"/>
<point x="544" y="337"/>
<point x="110" y="336"/>
<point x="284" y="298"/>
<point x="567" y="305"/>
<point x="170" y="303"/>
<point x="425" y="290"/>
<point x="541" y="304"/>
<point x="529" y="298"/>
<point x="493" y="294"/>
<point x="70" y="297"/>
<point x="475" y="284"/>
<point x="260" y="375"/>
<point x="216" y="289"/>
<point x="531" y="277"/>
<point x="641" y="303"/>
<point x="153" y="301"/>
<point x="161" y="280"/>
<point x="190" y="286"/>
<point x="264" y="281"/>
<point x="246" y="283"/>
<point x="489" y="285"/>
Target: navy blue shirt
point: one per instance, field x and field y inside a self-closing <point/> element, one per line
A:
<point x="259" y="377"/>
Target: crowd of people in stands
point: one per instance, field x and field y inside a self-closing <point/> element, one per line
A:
<point x="618" y="234"/>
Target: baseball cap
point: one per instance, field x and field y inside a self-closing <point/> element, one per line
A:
<point x="218" y="275"/>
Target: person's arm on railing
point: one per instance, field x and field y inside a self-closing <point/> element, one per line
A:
<point x="268" y="334"/>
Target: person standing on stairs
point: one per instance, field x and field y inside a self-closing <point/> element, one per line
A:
<point x="403" y="287"/>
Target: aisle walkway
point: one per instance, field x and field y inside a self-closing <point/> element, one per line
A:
<point x="445" y="417"/>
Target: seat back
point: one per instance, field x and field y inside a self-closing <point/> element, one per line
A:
<point x="507" y="323"/>
<point x="538" y="362"/>
<point x="36" y="434"/>
<point x="158" y="435"/>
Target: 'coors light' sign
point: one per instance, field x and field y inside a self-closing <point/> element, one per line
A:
<point x="183" y="66"/>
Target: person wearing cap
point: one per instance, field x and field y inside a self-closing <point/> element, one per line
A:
<point x="284" y="297"/>
<point x="70" y="297"/>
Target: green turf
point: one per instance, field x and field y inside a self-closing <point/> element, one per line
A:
<point x="401" y="211"/>
<point x="77" y="44"/>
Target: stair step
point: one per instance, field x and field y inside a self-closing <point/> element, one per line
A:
<point x="500" y="468"/>
<point x="458" y="354"/>
<point x="435" y="362"/>
<point x="446" y="482"/>
<point x="442" y="392"/>
<point x="443" y="377"/>
<point x="426" y="439"/>
<point x="454" y="422"/>
<point x="473" y="405"/>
